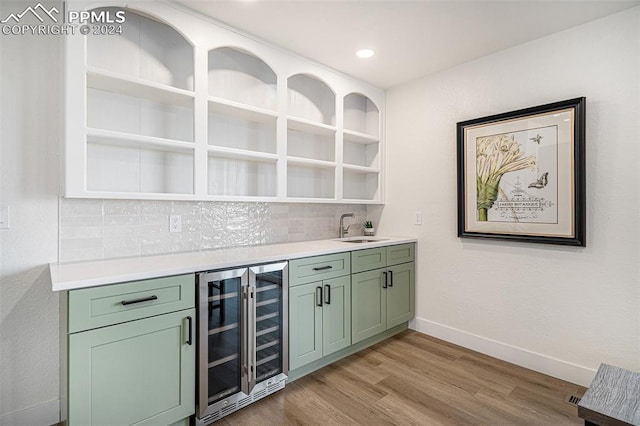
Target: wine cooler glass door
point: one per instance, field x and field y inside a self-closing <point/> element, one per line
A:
<point x="222" y="333"/>
<point x="268" y="335"/>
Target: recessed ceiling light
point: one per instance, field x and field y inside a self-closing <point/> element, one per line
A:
<point x="364" y="53"/>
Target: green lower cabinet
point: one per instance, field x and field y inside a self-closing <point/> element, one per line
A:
<point x="381" y="299"/>
<point x="136" y="373"/>
<point x="400" y="297"/>
<point x="319" y="320"/>
<point x="369" y="301"/>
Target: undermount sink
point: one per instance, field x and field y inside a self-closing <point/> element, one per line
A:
<point x="361" y="239"/>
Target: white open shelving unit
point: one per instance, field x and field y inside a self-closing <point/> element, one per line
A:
<point x="180" y="107"/>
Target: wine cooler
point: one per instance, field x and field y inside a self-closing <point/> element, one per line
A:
<point x="243" y="341"/>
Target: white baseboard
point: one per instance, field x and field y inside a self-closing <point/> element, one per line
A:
<point x="46" y="414"/>
<point x="534" y="361"/>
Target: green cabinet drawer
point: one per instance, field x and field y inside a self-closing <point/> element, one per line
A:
<point x="401" y="253"/>
<point x="112" y="304"/>
<point x="366" y="260"/>
<point x="317" y="268"/>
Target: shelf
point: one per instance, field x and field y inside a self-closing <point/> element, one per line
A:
<point x="223" y="328"/>
<point x="241" y="173"/>
<point x="136" y="87"/>
<point x="298" y="161"/>
<point x="361" y="115"/>
<point x="267" y="316"/>
<point x="310" y="179"/>
<point x="241" y="154"/>
<point x="148" y="49"/>
<point x="311" y="146"/>
<point x="239" y="110"/>
<point x="361" y="184"/>
<point x="237" y="75"/>
<point x="138" y="167"/>
<point x="308" y="126"/>
<point x="122" y="112"/>
<point x="267" y="345"/>
<point x="360" y="169"/>
<point x="128" y="140"/>
<point x="357" y="137"/>
<point x="311" y="99"/>
<point x="233" y="126"/>
<point x="358" y="154"/>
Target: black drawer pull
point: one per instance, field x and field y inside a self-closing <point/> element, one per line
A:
<point x="190" y="337"/>
<point x="318" y="296"/>
<point x="384" y="281"/>
<point x="322" y="268"/>
<point x="144" y="299"/>
<point x="390" y="278"/>
<point x="327" y="294"/>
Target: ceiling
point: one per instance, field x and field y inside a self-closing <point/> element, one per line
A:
<point x="411" y="38"/>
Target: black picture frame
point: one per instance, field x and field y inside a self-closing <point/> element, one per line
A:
<point x="521" y="175"/>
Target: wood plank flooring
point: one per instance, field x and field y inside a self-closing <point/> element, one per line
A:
<point x="413" y="379"/>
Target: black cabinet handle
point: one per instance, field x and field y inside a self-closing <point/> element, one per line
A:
<point x="322" y="268"/>
<point x="390" y="278"/>
<point x="327" y="294"/>
<point x="190" y="336"/>
<point x="384" y="282"/>
<point x="319" y="296"/>
<point x="144" y="299"/>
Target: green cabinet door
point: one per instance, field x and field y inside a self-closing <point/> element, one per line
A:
<point x="400" y="294"/>
<point x="305" y="325"/>
<point x="369" y="304"/>
<point x="319" y="320"/>
<point x="336" y="315"/>
<point x="136" y="373"/>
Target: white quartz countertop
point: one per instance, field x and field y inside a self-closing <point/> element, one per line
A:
<point x="69" y="276"/>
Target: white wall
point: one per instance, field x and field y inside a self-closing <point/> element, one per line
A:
<point x="559" y="310"/>
<point x="29" y="141"/>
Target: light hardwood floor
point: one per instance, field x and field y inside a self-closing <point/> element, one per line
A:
<point x="413" y="379"/>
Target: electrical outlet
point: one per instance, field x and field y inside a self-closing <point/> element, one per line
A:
<point x="175" y="223"/>
<point x="417" y="218"/>
<point x="4" y="217"/>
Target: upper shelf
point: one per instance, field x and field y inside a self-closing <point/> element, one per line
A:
<point x="361" y="116"/>
<point x="240" y="110"/>
<point x="147" y="49"/>
<point x="137" y="87"/>
<point x="308" y="126"/>
<point x="311" y="99"/>
<point x="357" y="137"/>
<point x="239" y="76"/>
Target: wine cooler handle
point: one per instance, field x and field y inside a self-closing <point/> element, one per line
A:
<point x="190" y="331"/>
<point x="327" y="294"/>
<point x="319" y="296"/>
<point x="144" y="299"/>
<point x="390" y="278"/>
<point x="384" y="282"/>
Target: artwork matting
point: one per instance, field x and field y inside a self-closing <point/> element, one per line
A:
<point x="521" y="175"/>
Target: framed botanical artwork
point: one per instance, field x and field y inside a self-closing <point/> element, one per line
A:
<point x="521" y="175"/>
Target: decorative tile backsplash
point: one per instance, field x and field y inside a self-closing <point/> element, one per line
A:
<point x="102" y="229"/>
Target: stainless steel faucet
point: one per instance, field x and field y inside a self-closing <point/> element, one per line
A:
<point x="342" y="231"/>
